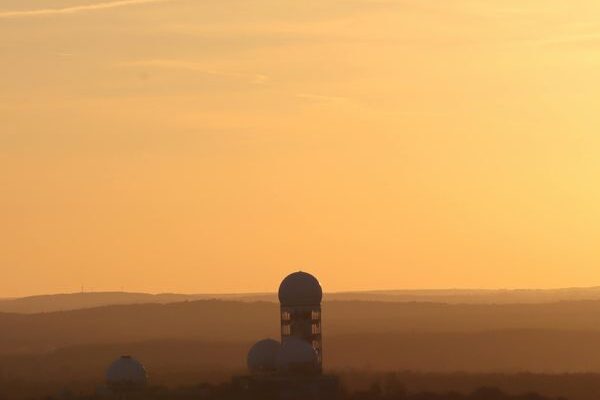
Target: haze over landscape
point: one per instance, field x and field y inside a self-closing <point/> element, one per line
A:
<point x="444" y="345"/>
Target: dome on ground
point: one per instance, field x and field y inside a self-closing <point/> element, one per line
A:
<point x="297" y="356"/>
<point x="300" y="289"/>
<point x="262" y="357"/>
<point x="126" y="371"/>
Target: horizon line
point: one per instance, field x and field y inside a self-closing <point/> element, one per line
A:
<point x="266" y="293"/>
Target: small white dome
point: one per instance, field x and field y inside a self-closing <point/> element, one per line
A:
<point x="262" y="357"/>
<point x="297" y="355"/>
<point x="126" y="371"/>
<point x="300" y="289"/>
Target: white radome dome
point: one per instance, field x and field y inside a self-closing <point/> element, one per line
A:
<point x="262" y="357"/>
<point x="300" y="289"/>
<point x="126" y="371"/>
<point x="297" y="355"/>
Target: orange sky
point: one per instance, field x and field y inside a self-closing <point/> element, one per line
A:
<point x="215" y="146"/>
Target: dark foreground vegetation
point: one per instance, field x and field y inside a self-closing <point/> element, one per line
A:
<point x="356" y="385"/>
<point x="388" y="390"/>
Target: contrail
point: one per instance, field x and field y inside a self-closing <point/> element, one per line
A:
<point x="75" y="9"/>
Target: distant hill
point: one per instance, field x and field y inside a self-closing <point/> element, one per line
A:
<point x="74" y="301"/>
<point x="232" y="321"/>
<point x="498" y="351"/>
<point x="474" y="296"/>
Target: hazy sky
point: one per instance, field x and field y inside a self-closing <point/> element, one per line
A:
<point x="215" y="146"/>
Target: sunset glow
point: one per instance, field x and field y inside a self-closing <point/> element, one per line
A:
<point x="213" y="147"/>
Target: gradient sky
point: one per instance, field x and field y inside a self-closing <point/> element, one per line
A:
<point x="215" y="146"/>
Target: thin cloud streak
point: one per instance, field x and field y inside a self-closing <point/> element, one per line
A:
<point x="76" y="9"/>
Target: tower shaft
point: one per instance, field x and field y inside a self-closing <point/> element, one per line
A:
<point x="303" y="322"/>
